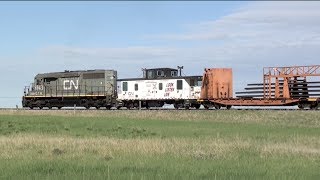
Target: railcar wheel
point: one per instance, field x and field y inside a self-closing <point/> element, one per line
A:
<point x="31" y="107"/>
<point x="176" y="106"/>
<point x="228" y="107"/>
<point x="206" y="107"/>
<point x="108" y="107"/>
<point x="217" y="106"/>
<point x="97" y="107"/>
<point x="300" y="106"/>
<point x="59" y="107"/>
<point x="40" y="107"/>
<point x="313" y="106"/>
<point x="197" y="106"/>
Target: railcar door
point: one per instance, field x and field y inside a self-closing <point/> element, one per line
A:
<point x="179" y="87"/>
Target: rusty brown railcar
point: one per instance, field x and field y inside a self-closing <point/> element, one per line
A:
<point x="281" y="86"/>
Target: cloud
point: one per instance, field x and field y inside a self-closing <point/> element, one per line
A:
<point x="277" y="23"/>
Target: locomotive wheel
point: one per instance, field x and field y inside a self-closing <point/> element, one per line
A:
<point x="40" y="107"/>
<point x="197" y="106"/>
<point x="87" y="106"/>
<point x="228" y="107"/>
<point x="206" y="107"/>
<point x="108" y="107"/>
<point x="97" y="107"/>
<point x="176" y="106"/>
<point x="31" y="107"/>
<point x="59" y="107"/>
<point x="187" y="107"/>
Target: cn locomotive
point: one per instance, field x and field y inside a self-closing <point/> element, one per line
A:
<point x="92" y="88"/>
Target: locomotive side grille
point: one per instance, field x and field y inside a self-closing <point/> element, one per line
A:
<point x="94" y="76"/>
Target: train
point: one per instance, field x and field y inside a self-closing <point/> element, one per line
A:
<point x="100" y="88"/>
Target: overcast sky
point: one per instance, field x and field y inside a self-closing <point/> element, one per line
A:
<point x="38" y="37"/>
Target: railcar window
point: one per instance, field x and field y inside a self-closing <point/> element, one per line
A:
<point x="160" y="73"/>
<point x="150" y="75"/>
<point x="124" y="86"/>
<point x="160" y="86"/>
<point x="136" y="87"/>
<point x="192" y="82"/>
<point x="199" y="83"/>
<point x="174" y="73"/>
<point x="179" y="84"/>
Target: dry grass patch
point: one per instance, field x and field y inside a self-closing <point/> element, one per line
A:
<point x="48" y="147"/>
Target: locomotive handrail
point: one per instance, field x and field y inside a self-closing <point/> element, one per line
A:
<point x="58" y="91"/>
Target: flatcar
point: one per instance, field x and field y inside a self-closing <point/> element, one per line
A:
<point x="91" y="88"/>
<point x="281" y="86"/>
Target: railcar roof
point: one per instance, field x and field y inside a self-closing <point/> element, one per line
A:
<point x="159" y="78"/>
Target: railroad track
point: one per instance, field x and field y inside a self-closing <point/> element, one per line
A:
<point x="161" y="109"/>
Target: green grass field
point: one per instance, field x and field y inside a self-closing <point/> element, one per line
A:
<point x="159" y="144"/>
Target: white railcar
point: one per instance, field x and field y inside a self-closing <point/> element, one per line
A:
<point x="158" y="87"/>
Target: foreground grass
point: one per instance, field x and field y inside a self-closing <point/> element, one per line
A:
<point x="160" y="145"/>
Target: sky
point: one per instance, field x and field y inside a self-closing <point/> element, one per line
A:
<point x="39" y="37"/>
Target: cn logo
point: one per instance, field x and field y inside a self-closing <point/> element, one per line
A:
<point x="68" y="84"/>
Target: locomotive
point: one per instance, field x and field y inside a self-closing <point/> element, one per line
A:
<point x="91" y="88"/>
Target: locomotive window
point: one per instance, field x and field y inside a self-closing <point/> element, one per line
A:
<point x="179" y="84"/>
<point x="124" y="86"/>
<point x="49" y="79"/>
<point x="136" y="87"/>
<point x="160" y="86"/>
